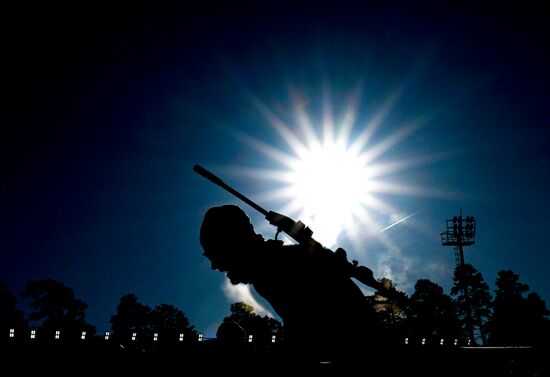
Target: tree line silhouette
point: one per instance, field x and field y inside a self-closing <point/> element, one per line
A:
<point x="512" y="317"/>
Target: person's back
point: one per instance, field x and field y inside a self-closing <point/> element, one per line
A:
<point x="324" y="312"/>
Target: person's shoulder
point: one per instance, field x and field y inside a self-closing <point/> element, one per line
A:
<point x="281" y="246"/>
<point x="278" y="247"/>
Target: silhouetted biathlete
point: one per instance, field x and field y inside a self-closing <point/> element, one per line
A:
<point x="325" y="315"/>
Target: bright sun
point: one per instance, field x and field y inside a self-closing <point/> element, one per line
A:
<point x="331" y="183"/>
<point x="331" y="177"/>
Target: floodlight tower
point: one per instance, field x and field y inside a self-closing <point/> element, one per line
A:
<point x="461" y="232"/>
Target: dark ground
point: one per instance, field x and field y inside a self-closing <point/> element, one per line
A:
<point x="98" y="356"/>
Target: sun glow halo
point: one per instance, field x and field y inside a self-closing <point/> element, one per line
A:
<point x="330" y="172"/>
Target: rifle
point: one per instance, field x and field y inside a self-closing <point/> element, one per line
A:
<point x="301" y="234"/>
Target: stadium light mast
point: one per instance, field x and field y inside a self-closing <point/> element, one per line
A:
<point x="460" y="233"/>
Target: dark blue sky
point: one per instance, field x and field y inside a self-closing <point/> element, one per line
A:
<point x="107" y="108"/>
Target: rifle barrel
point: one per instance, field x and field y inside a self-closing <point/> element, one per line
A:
<point x="212" y="178"/>
<point x="364" y="275"/>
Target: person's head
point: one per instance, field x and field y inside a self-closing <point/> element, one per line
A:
<point x="228" y="239"/>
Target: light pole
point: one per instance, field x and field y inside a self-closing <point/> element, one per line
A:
<point x="461" y="232"/>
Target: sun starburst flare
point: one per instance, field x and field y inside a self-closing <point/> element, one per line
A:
<point x="330" y="177"/>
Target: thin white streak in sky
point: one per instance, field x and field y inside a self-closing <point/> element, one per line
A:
<point x="400" y="221"/>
